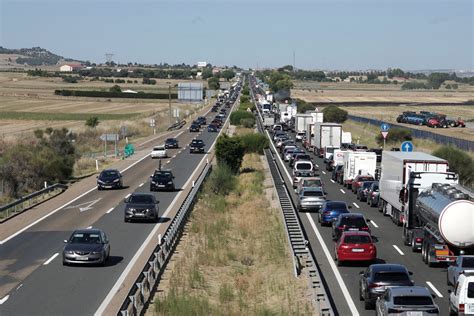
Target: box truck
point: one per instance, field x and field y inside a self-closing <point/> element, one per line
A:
<point x="302" y="121"/>
<point x="326" y="135"/>
<point x="356" y="163"/>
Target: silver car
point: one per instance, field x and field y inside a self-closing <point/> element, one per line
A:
<point x="461" y="264"/>
<point x="406" y="300"/>
<point x="86" y="246"/>
<point x="311" y="199"/>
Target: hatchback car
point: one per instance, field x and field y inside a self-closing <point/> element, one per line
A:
<point x="211" y="128"/>
<point x="109" y="179"/>
<point x="355" y="246"/>
<point x="196" y="146"/>
<point x="307" y="182"/>
<point x="363" y="190"/>
<point x="202" y="120"/>
<point x="375" y="280"/>
<point x="298" y="155"/>
<point x="162" y="180"/>
<point x="406" y="300"/>
<point x="194" y="128"/>
<point x="331" y="210"/>
<point x="311" y="199"/>
<point x="373" y="194"/>
<point x="299" y="136"/>
<point x="358" y="180"/>
<point x="462" y="263"/>
<point x="349" y="222"/>
<point x="86" y="246"/>
<point x="159" y="152"/>
<point x="141" y="206"/>
<point x="171" y="143"/>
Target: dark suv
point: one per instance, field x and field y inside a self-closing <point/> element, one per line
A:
<point x="375" y="280"/>
<point x="162" y="180"/>
<point x="141" y="206"/>
<point x="171" y="143"/>
<point x="349" y="222"/>
<point x="201" y="120"/>
<point x="196" y="146"/>
<point x="109" y="179"/>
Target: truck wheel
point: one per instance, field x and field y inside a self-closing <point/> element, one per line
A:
<point x="428" y="260"/>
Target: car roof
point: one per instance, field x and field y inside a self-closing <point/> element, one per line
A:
<point x="378" y="267"/>
<point x="110" y="170"/>
<point x="318" y="189"/>
<point x="84" y="231"/>
<point x="336" y="202"/>
<point x="352" y="215"/>
<point x="142" y="194"/>
<point x="356" y="233"/>
<point x="409" y="291"/>
<point x="310" y="178"/>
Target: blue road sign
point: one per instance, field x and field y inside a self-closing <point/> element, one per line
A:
<point x="407" y="146"/>
<point x="384" y="127"/>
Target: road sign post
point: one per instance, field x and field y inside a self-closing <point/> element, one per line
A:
<point x="384" y="128"/>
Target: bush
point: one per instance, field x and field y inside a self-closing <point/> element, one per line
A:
<point x="244" y="99"/>
<point x="395" y="135"/>
<point x="230" y="151"/>
<point x="254" y="143"/>
<point x="113" y="94"/>
<point x="247" y="105"/>
<point x="334" y="114"/>
<point x="237" y="116"/>
<point x="148" y="81"/>
<point x="459" y="162"/>
<point x="248" y="122"/>
<point x="92" y="121"/>
<point x="303" y="107"/>
<point x="245" y="91"/>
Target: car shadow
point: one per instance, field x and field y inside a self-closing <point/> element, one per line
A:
<point x="113" y="260"/>
<point x="163" y="220"/>
<point x="361" y="264"/>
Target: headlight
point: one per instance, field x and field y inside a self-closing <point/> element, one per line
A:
<point x="170" y="182"/>
<point x="69" y="252"/>
<point x="100" y="181"/>
<point x="153" y="182"/>
<point x="116" y="180"/>
<point x="130" y="210"/>
<point x="96" y="252"/>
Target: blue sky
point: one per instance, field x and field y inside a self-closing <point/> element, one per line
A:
<point x="325" y="34"/>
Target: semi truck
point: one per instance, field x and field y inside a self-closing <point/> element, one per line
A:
<point x="358" y="162"/>
<point x="302" y="121"/>
<point x="396" y="169"/>
<point x="442" y="215"/>
<point x="326" y="135"/>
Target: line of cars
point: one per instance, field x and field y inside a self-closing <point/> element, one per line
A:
<point x="430" y="119"/>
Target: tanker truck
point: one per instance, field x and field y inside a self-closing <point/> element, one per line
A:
<point x="444" y="214"/>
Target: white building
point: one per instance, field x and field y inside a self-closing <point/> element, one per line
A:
<point x="201" y="64"/>
<point x="70" y="67"/>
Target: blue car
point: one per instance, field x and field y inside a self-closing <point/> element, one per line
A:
<point x="212" y="129"/>
<point x="330" y="211"/>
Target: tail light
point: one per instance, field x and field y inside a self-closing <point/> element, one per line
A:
<point x="374" y="285"/>
<point x="461" y="308"/>
<point x="365" y="228"/>
<point x="344" y="246"/>
<point x="326" y="213"/>
<point x="418" y="240"/>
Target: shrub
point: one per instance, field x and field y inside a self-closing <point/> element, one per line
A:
<point x="244" y="98"/>
<point x="254" y="143"/>
<point x="247" y="105"/>
<point x="459" y="162"/>
<point x="222" y="181"/>
<point x="92" y="121"/>
<point x="245" y="91"/>
<point x="303" y="107"/>
<point x="334" y="114"/>
<point x="230" y="151"/>
<point x="395" y="135"/>
<point x="237" y="116"/>
<point x="248" y="122"/>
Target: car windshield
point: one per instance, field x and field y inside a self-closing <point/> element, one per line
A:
<point x="312" y="183"/>
<point x="412" y="300"/>
<point x="171" y="140"/>
<point x="357" y="239"/>
<point x="391" y="276"/>
<point x="375" y="188"/>
<point x="337" y="206"/>
<point x="109" y="173"/>
<point x="366" y="184"/>
<point x="303" y="157"/>
<point x="145" y="199"/>
<point x="197" y="142"/>
<point x="85" y="238"/>
<point x="304" y="166"/>
<point x="159" y="148"/>
<point x="353" y="221"/>
<point x="468" y="262"/>
<point x="162" y="175"/>
<point x="313" y="193"/>
<point x="331" y="150"/>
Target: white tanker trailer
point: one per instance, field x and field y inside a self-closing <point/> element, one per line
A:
<point x="445" y="214"/>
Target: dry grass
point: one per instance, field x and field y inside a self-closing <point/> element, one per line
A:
<point x="234" y="259"/>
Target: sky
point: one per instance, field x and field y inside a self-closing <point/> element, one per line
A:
<point x="322" y="34"/>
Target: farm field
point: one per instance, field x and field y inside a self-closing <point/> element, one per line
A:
<point x="327" y="92"/>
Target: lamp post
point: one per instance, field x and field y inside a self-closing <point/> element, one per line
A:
<point x="169" y="100"/>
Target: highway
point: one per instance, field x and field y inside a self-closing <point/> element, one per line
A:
<point x="343" y="282"/>
<point x="48" y="287"/>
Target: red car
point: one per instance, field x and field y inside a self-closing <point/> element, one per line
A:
<point x="357" y="182"/>
<point x="355" y="246"/>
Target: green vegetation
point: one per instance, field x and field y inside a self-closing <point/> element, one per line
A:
<point x="230" y="151"/>
<point x="254" y="143"/>
<point x="414" y="85"/>
<point x="396" y="136"/>
<point x="244" y="99"/>
<point x="222" y="179"/>
<point x="227" y="74"/>
<point x="114" y="94"/>
<point x="459" y="162"/>
<point x="245" y="91"/>
<point x="213" y="83"/>
<point x="243" y="106"/>
<point x="92" y="121"/>
<point x="279" y="81"/>
<point x="334" y="114"/>
<point x="302" y="106"/>
<point x="43" y="116"/>
<point x="237" y="116"/>
<point x="148" y="81"/>
<point x="115" y="89"/>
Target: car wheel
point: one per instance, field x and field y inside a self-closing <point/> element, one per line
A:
<point x="104" y="261"/>
<point x="367" y="305"/>
<point x="339" y="263"/>
<point x="447" y="279"/>
<point x="126" y="220"/>
<point x="64" y="263"/>
<point x="99" y="188"/>
<point x="361" y="296"/>
<point x="319" y="219"/>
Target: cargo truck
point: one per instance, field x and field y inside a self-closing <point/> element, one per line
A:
<point x="396" y="168"/>
<point x="326" y="135"/>
<point x="302" y="121"/>
<point x="309" y="137"/>
<point x="268" y="121"/>
<point x="443" y="213"/>
<point x="357" y="162"/>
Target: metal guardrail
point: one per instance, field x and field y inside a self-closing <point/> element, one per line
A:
<point x="441" y="139"/>
<point x="177" y="125"/>
<point x="16" y="207"/>
<point x="140" y="293"/>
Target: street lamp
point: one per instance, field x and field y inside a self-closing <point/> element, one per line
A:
<point x="169" y="100"/>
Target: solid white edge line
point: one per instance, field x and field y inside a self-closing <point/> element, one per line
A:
<point x="110" y="210"/>
<point x="141" y="184"/>
<point x="89" y="227"/>
<point x="324" y="172"/>
<point x="373" y="223"/>
<point x="317" y="166"/>
<point x="398" y="250"/>
<point x="338" y="276"/>
<point x="128" y="195"/>
<point x="355" y="204"/>
<point x="434" y="289"/>
<point x="333" y="181"/>
<point x="51" y="259"/>
<point x="118" y="283"/>
<point x="343" y="192"/>
<point x="4" y="299"/>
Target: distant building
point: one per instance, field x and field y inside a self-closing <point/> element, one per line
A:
<point x="70" y="67"/>
<point x="201" y="64"/>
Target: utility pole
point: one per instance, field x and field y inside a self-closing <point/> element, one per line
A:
<point x="169" y="99"/>
<point x="294" y="69"/>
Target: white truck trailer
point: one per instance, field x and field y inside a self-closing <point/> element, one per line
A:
<point x="326" y="135"/>
<point x="302" y="121"/>
<point x="357" y="162"/>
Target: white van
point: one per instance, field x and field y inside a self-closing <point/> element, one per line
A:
<point x="302" y="168"/>
<point x="461" y="299"/>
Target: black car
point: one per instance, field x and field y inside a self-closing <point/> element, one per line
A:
<point x="194" y="128"/>
<point x="86" y="246"/>
<point x="171" y="143"/>
<point x="162" y="180"/>
<point x="377" y="277"/>
<point x="214" y="108"/>
<point x="201" y="120"/>
<point x="109" y="179"/>
<point x="211" y="128"/>
<point x="363" y="190"/>
<point x="196" y="146"/>
<point x="349" y="222"/>
<point x="141" y="206"/>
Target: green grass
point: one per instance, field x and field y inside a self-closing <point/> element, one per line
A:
<point x="42" y="116"/>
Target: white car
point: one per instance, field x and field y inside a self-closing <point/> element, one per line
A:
<point x="461" y="300"/>
<point x="299" y="136"/>
<point x="159" y="152"/>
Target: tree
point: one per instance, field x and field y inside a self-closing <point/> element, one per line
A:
<point x="334" y="114"/>
<point x="228" y="74"/>
<point x="230" y="151"/>
<point x="436" y="79"/>
<point x="303" y="107"/>
<point x="92" y="121"/>
<point x="213" y="83"/>
<point x="459" y="162"/>
<point x="448" y="86"/>
<point x="115" y="88"/>
<point x="206" y="73"/>
<point x="396" y="135"/>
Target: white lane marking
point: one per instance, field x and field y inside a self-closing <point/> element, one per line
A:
<point x="89" y="227"/>
<point x="324" y="172"/>
<point x="373" y="223"/>
<point x="168" y="161"/>
<point x="317" y="166"/>
<point x="339" y="278"/>
<point x="174" y="156"/>
<point x="19" y="286"/>
<point x="434" y="289"/>
<point x="118" y="283"/>
<point x="51" y="259"/>
<point x="343" y="192"/>
<point x="128" y="195"/>
<point x="4" y="299"/>
<point x="398" y="249"/>
<point x="141" y="184"/>
<point x="110" y="210"/>
<point x="333" y="181"/>
<point x="64" y="205"/>
<point x="355" y="204"/>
